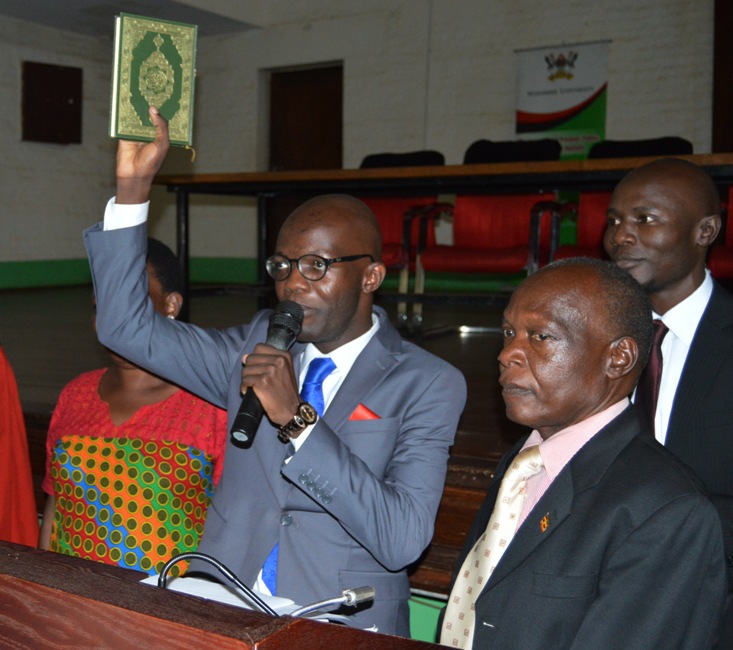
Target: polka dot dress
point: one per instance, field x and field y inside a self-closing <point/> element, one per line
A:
<point x="130" y="502"/>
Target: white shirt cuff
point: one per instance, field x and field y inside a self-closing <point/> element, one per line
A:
<point x="121" y="215"/>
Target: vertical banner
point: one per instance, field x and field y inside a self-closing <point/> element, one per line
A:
<point x="561" y="94"/>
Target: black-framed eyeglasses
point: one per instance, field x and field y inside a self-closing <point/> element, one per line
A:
<point x="311" y="267"/>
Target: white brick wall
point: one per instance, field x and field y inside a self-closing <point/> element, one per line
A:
<point x="417" y="74"/>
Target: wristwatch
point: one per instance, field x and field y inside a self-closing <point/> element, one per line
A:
<point x="304" y="417"/>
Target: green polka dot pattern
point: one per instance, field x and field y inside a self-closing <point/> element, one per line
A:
<point x="129" y="502"/>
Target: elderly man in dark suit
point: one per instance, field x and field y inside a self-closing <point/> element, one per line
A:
<point x="592" y="535"/>
<point x="337" y="492"/>
<point x="662" y="219"/>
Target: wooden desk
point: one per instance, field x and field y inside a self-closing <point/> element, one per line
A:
<point x="49" y="600"/>
<point x="504" y="178"/>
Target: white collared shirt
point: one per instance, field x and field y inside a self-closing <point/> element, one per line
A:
<point x="344" y="357"/>
<point x="682" y="321"/>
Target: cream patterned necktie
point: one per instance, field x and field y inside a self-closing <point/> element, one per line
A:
<point x="459" y="620"/>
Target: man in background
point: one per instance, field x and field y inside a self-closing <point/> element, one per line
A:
<point x="662" y="219"/>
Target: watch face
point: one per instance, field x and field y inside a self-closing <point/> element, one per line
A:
<point x="308" y="413"/>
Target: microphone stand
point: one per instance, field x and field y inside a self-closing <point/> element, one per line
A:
<point x="261" y="605"/>
<point x="348" y="597"/>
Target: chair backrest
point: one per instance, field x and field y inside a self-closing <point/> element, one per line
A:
<point x="497" y="221"/>
<point x="390" y="210"/>
<point x="424" y="158"/>
<point x="389" y="213"/>
<point x="591" y="222"/>
<point x="666" y="146"/>
<point x="488" y="151"/>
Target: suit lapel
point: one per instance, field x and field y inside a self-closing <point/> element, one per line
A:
<point x="584" y="471"/>
<point x="369" y="370"/>
<point x="711" y="347"/>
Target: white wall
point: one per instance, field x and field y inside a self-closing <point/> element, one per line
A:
<point x="417" y="74"/>
<point x="48" y="193"/>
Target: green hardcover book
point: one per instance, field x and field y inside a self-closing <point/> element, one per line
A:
<point x="154" y="65"/>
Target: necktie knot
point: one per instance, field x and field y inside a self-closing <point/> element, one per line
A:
<point x="312" y="391"/>
<point x="660" y="331"/>
<point x="526" y="463"/>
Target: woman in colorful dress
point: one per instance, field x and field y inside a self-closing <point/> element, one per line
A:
<point x="132" y="460"/>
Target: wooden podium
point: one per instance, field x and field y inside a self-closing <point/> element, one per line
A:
<point x="48" y="600"/>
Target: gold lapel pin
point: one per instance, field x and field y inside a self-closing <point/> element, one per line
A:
<point x="545" y="522"/>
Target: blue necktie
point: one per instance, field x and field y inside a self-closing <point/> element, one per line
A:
<point x="312" y="392"/>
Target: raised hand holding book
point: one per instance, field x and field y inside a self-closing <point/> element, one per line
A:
<point x="154" y="65"/>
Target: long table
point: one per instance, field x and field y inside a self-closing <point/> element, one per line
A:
<point x="503" y="178"/>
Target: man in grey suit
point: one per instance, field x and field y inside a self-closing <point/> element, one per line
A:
<point x="662" y="219"/>
<point x="616" y="546"/>
<point x="325" y="501"/>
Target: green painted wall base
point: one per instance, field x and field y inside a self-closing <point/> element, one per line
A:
<point x="460" y="282"/>
<point x="424" y="614"/>
<point x="223" y="270"/>
<point x="53" y="273"/>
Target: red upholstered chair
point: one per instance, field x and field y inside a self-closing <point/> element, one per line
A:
<point x="392" y="214"/>
<point x="396" y="216"/>
<point x="590" y="213"/>
<point x="720" y="255"/>
<point x="491" y="235"/>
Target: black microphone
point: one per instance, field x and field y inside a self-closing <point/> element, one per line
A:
<point x="285" y="325"/>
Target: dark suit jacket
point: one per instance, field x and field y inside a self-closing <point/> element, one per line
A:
<point x="700" y="430"/>
<point x="357" y="503"/>
<point x="632" y="556"/>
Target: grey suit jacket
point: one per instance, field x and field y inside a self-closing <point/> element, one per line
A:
<point x="632" y="556"/>
<point x="357" y="503"/>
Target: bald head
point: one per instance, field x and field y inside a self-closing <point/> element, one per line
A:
<point x="342" y="210"/>
<point x="662" y="218"/>
<point x="685" y="177"/>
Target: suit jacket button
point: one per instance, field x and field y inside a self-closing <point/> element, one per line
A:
<point x="326" y="499"/>
<point x="303" y="478"/>
<point x="285" y="519"/>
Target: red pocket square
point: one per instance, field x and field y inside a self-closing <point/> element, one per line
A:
<point x="361" y="412"/>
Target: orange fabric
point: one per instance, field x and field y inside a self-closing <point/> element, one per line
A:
<point x="18" y="516"/>
<point x="182" y="418"/>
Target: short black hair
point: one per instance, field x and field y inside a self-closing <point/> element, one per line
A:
<point x="627" y="307"/>
<point x="164" y="265"/>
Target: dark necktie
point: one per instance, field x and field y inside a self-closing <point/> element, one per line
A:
<point x="647" y="392"/>
<point x="312" y="392"/>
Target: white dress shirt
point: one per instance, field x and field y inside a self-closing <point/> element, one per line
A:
<point x="682" y="321"/>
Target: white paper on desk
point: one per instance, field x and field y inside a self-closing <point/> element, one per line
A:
<point x="232" y="596"/>
<point x="221" y="593"/>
